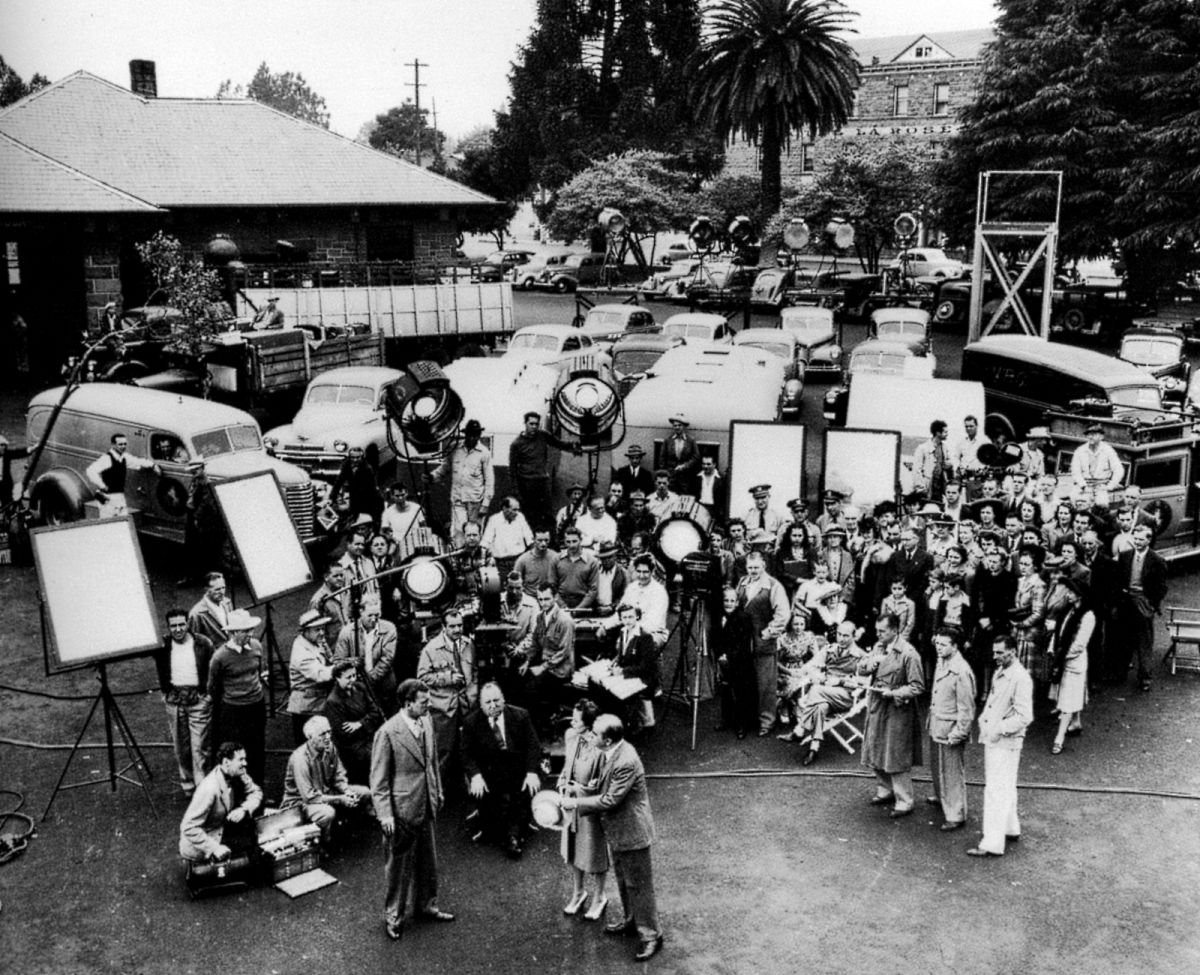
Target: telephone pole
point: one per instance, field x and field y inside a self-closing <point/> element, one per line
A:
<point x="416" y="86"/>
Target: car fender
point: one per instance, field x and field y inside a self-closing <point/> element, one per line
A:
<point x="59" y="496"/>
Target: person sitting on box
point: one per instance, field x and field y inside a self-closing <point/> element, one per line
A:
<point x="316" y="779"/>
<point x="354" y="717"/>
<point x="218" y="820"/>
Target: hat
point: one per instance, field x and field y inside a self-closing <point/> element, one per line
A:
<point x="679" y="418"/>
<point x="930" y="508"/>
<point x="1038" y="433"/>
<point x="797" y="503"/>
<point x="760" y="489"/>
<point x="313" y="617"/>
<point x="240" y="620"/>
<point x="635" y="450"/>
<point x="1052" y="562"/>
<point x="836" y="530"/>
<point x="831" y="495"/>
<point x="546" y="807"/>
<point x="885" y="508"/>
<point x="637" y="495"/>
<point x="363" y="519"/>
<point x="606" y="550"/>
<point x="576" y="487"/>
<point x="1093" y="427"/>
<point x="473" y="427"/>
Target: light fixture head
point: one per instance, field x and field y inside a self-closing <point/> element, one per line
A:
<point x="905" y="225"/>
<point x="796" y="234"/>
<point x="702" y="233"/>
<point x="840" y="233"/>
<point x="741" y="231"/>
<point x="612" y="221"/>
<point x="586" y="406"/>
<point x="424" y="407"/>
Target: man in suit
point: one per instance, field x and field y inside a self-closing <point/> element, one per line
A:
<point x="371" y="643"/>
<point x="210" y="614"/>
<point x="447" y="668"/>
<point x="912" y="564"/>
<point x="680" y="454"/>
<point x="623" y="802"/>
<point x="406" y="789"/>
<point x="218" y="819"/>
<point x="501" y="756"/>
<point x="1142" y="581"/>
<point x="633" y="476"/>
<point x="765" y="602"/>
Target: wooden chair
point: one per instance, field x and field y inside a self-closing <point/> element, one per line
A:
<point x="842" y="727"/>
<point x="1183" y="625"/>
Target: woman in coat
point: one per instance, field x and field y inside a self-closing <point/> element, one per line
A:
<point x="1029" y="614"/>
<point x="584" y="848"/>
<point x="1068" y="652"/>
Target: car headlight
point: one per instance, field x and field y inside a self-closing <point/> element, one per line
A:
<point x="793" y="388"/>
<point x="1170" y="382"/>
<point x="340" y="446"/>
<point x="271" y="443"/>
<point x="835" y="352"/>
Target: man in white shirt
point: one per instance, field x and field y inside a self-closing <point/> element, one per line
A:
<point x="663" y="501"/>
<point x="647" y="595"/>
<point x="762" y="521"/>
<point x="710" y="486"/>
<point x="1095" y="467"/>
<point x="507" y="535"/>
<point x="966" y="451"/>
<point x="108" y="472"/>
<point x="596" y="525"/>
<point x="401" y="515"/>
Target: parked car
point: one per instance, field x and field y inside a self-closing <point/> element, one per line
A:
<point x="876" y="357"/>
<point x="167" y="428"/>
<point x="342" y="408"/>
<point x="771" y="286"/>
<point x="817" y="336"/>
<point x="633" y="356"/>
<point x="678" y="250"/>
<point x="920" y="262"/>
<point x="588" y="271"/>
<point x="700" y="327"/>
<point x="783" y="344"/>
<point x="525" y="276"/>
<point x="1100" y="313"/>
<point x="909" y="326"/>
<point x="556" y="345"/>
<point x="498" y="265"/>
<point x="1160" y="351"/>
<point x="669" y="282"/>
<point x="604" y="324"/>
<point x="718" y="284"/>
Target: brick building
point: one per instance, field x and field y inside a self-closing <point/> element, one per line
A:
<point x="89" y="169"/>
<point x="911" y="89"/>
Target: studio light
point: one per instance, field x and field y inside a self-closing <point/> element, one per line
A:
<point x="424" y="407"/>
<point x="840" y="233"/>
<point x="741" y="231"/>
<point x="586" y="407"/>
<point x="905" y="226"/>
<point x="611" y="221"/>
<point x="702" y="233"/>
<point x="796" y="234"/>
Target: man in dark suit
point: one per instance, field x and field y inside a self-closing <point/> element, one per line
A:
<point x="733" y="636"/>
<point x="624" y="805"/>
<point x="633" y="476"/>
<point x="501" y="755"/>
<point x="1142" y="578"/>
<point x="406" y="789"/>
<point x="912" y="564"/>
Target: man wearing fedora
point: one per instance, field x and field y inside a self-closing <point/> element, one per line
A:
<point x="372" y="643"/>
<point x="406" y="789"/>
<point x="310" y="671"/>
<point x="236" y="688"/>
<point x="1033" y="457"/>
<point x="680" y="455"/>
<point x="633" y="476"/>
<point x="472" y="482"/>
<point x="623" y="803"/>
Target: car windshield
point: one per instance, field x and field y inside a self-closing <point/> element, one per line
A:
<point x="775" y="348"/>
<point x="601" y="319"/>
<point x="635" y="360"/>
<point x="1138" y="397"/>
<point x="226" y="440"/>
<point x="344" y="395"/>
<point x="900" y="330"/>
<point x="1150" y="352"/>
<point x="534" y="340"/>
<point x="807" y="327"/>
<point x="691" y="331"/>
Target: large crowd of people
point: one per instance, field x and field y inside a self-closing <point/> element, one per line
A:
<point x="979" y="593"/>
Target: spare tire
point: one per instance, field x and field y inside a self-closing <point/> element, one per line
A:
<point x="58" y="497"/>
<point x="1161" y="512"/>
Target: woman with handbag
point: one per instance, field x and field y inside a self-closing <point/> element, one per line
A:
<point x="584" y="848"/>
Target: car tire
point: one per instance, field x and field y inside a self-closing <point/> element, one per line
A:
<point x="944" y="311"/>
<point x="1074" y="320"/>
<point x="562" y="286"/>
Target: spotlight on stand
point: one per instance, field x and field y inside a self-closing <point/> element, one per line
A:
<point x="796" y="234"/>
<point x="839" y="233"/>
<point x="905" y="227"/>
<point x="612" y="221"/>
<point x="586" y="407"/>
<point x="702" y="233"/>
<point x="424" y="407"/>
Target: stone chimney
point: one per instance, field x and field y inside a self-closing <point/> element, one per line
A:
<point x="143" y="80"/>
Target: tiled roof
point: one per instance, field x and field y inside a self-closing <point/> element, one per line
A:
<point x="33" y="183"/>
<point x="196" y="152"/>
<point x="961" y="44"/>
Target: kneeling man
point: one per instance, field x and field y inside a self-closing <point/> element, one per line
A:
<point x="316" y="779"/>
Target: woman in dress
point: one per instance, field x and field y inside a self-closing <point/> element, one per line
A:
<point x="1058" y="529"/>
<point x="1029" y="613"/>
<point x="584" y="848"/>
<point x="797" y="650"/>
<point x="1068" y="653"/>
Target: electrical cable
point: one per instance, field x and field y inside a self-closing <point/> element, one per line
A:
<point x="12" y="844"/>
<point x="71" y="697"/>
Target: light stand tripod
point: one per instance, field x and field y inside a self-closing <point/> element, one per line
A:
<point x="686" y="684"/>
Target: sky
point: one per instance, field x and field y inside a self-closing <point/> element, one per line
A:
<point x="351" y="52"/>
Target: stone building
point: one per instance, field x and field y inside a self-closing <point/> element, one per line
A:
<point x="89" y="169"/>
<point x="911" y="90"/>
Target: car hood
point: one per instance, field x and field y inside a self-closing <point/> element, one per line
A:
<point x="317" y="423"/>
<point x="226" y="466"/>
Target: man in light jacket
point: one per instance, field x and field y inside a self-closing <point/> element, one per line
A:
<point x="951" y="714"/>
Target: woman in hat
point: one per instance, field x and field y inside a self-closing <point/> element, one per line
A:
<point x="583" y="843"/>
<point x="1069" y="662"/>
<point x="1029" y="613"/>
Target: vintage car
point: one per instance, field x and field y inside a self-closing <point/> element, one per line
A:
<point x="342" y="408"/>
<point x="604" y="324"/>
<point x="669" y="282"/>
<point x="717" y="284"/>
<point x="498" y="265"/>
<point x="931" y="262"/>
<point x="771" y="286"/>
<point x="909" y="326"/>
<point x="588" y="271"/>
<point x="783" y="344"/>
<point x="525" y="276"/>
<point x="700" y="327"/>
<point x="876" y="357"/>
<point x="633" y="356"/>
<point x="1099" y="313"/>
<point x="1160" y="351"/>
<point x="817" y="336"/>
<point x="167" y="428"/>
<point x="556" y="345"/>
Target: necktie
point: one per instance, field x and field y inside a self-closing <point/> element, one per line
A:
<point x="498" y="731"/>
<point x="762" y="519"/>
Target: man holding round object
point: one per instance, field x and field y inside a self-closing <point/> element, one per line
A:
<point x="235" y="684"/>
<point x="951" y="714"/>
<point x="310" y="671"/>
<point x="406" y="788"/>
<point x="316" y="780"/>
<point x="623" y="803"/>
<point x="680" y="455"/>
<point x="763" y="522"/>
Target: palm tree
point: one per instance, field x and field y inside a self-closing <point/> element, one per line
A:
<point x="768" y="68"/>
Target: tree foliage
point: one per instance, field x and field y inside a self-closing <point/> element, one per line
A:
<point x="868" y="185"/>
<point x="396" y="131"/>
<point x="768" y="68"/>
<point x="727" y="197"/>
<point x="1106" y="92"/>
<point x="640" y="184"/>
<point x="187" y="285"/>
<point x="13" y="88"/>
<point x="288" y="92"/>
<point x="476" y="167"/>
<point x="599" y="77"/>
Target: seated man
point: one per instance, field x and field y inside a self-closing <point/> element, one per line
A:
<point x="218" y="820"/>
<point x="501" y="755"/>
<point x="648" y="595"/>
<point x="316" y="779"/>
<point x="832" y="692"/>
<point x="548" y="657"/>
<point x="354" y="716"/>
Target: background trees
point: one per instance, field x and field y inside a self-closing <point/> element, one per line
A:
<point x="288" y="92"/>
<point x="769" y="68"/>
<point x="12" y="87"/>
<point x="397" y="130"/>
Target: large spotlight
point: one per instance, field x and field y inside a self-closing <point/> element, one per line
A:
<point x="424" y="407"/>
<point x="840" y="233"/>
<point x="702" y="233"/>
<point x="796" y="234"/>
<point x="611" y="221"/>
<point x="741" y="231"/>
<point x="905" y="226"/>
<point x="587" y="407"/>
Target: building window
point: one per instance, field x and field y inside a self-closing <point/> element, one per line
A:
<point x="941" y="99"/>
<point x="806" y="159"/>
<point x="900" y="100"/>
<point x="924" y="51"/>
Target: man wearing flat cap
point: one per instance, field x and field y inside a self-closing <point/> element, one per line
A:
<point x="269" y="315"/>
<point x="468" y="467"/>
<point x="310" y="671"/>
<point x="1095" y="467"/>
<point x="633" y="476"/>
<point x="680" y="455"/>
<point x="236" y="688"/>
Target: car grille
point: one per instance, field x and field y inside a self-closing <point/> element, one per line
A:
<point x="313" y="458"/>
<point x="299" y="499"/>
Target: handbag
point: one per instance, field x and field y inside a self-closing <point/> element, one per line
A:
<point x="213" y="876"/>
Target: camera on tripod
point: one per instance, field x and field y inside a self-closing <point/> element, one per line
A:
<point x="701" y="572"/>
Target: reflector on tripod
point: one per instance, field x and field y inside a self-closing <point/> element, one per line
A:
<point x="424" y="407"/>
<point x="840" y="233"/>
<point x="741" y="231"/>
<point x="905" y="225"/>
<point x="701" y="233"/>
<point x="611" y="221"/>
<point x="586" y="406"/>
<point x="796" y="234"/>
